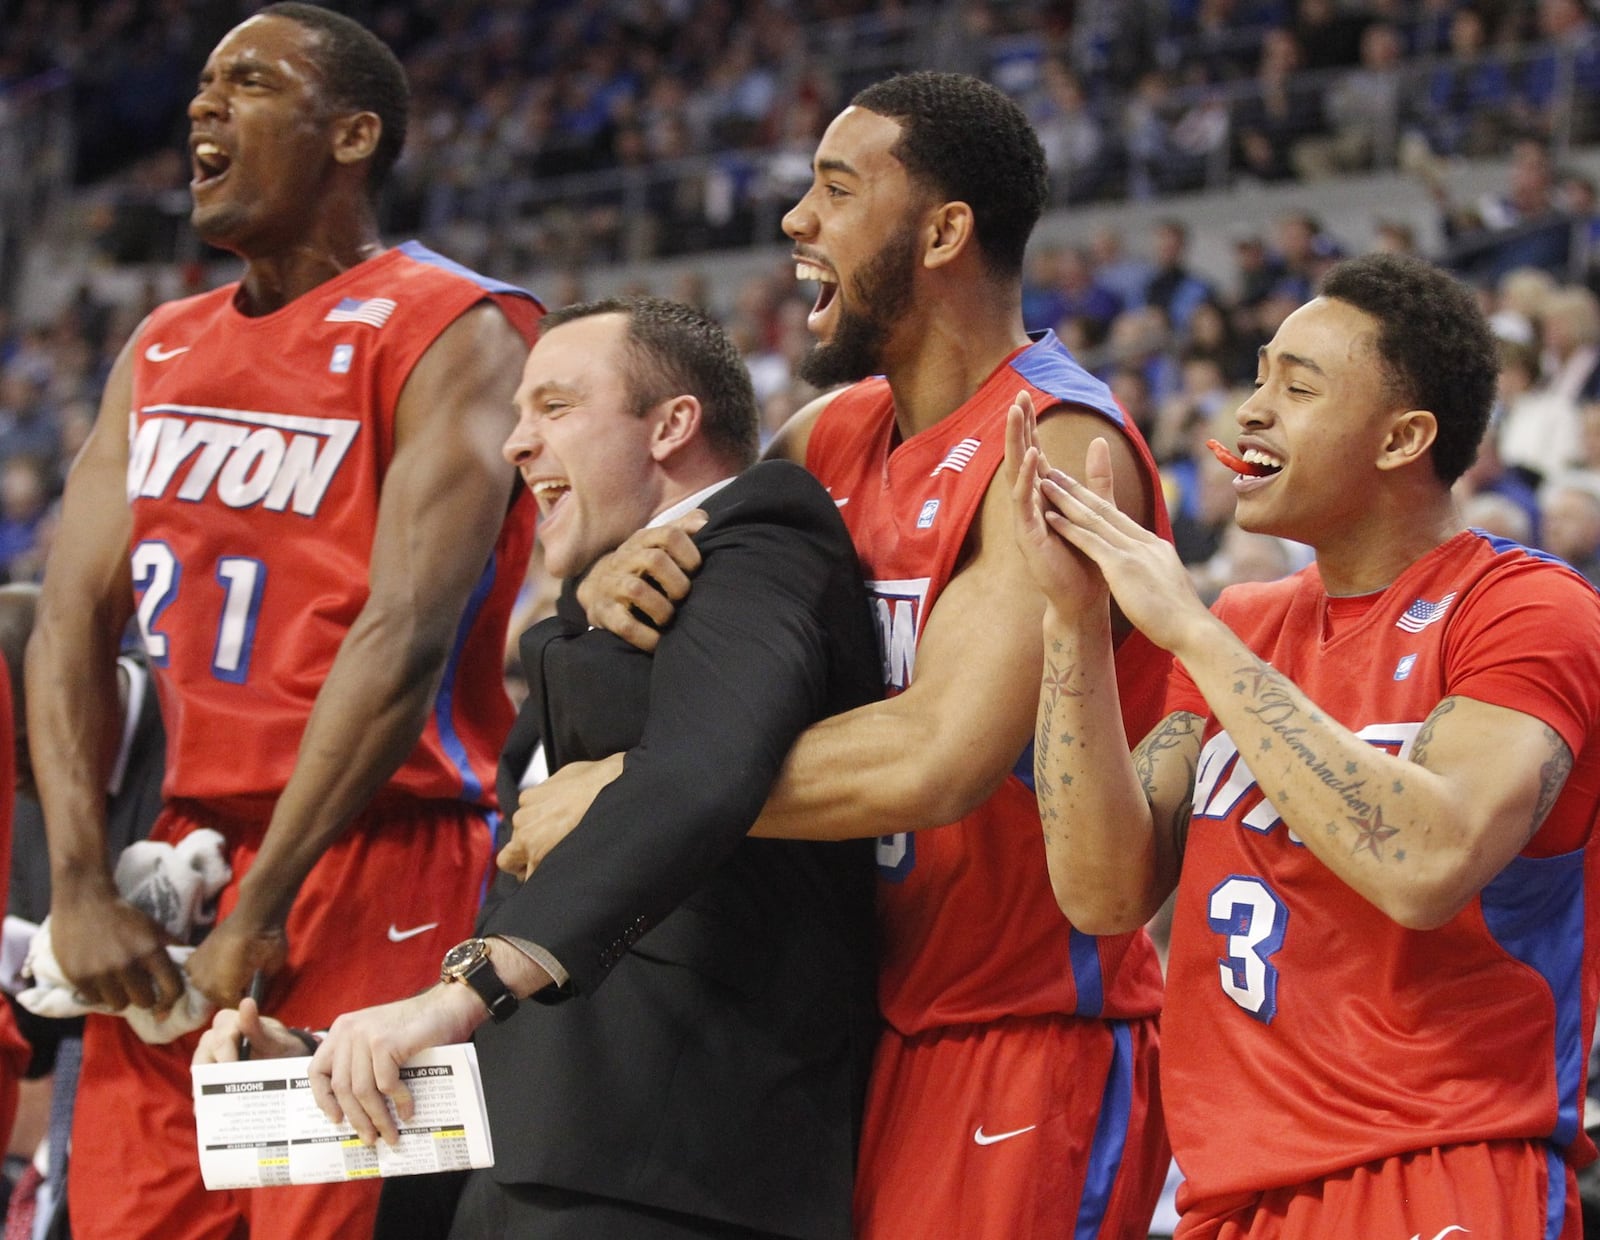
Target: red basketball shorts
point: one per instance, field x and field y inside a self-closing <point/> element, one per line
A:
<point x="1511" y="1190"/>
<point x="370" y="924"/>
<point x="1028" y="1128"/>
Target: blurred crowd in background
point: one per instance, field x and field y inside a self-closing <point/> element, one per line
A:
<point x="563" y="137"/>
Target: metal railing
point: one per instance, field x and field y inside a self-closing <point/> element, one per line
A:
<point x="1191" y="141"/>
<point x="737" y="198"/>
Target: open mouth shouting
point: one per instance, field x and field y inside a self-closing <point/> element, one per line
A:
<point x="209" y="161"/>
<point x="548" y="494"/>
<point x="827" y="293"/>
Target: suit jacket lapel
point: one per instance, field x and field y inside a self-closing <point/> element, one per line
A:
<point x="532" y="723"/>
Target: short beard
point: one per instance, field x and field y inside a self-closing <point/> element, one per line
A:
<point x="883" y="289"/>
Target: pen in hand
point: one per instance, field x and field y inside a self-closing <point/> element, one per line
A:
<point x="258" y="987"/>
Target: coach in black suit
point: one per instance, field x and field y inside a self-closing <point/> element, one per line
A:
<point x="711" y="1086"/>
<point x="718" y="1071"/>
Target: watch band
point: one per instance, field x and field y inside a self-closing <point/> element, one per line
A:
<point x="469" y="962"/>
<point x="496" y="995"/>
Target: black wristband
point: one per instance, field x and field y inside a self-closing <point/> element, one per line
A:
<point x="305" y="1036"/>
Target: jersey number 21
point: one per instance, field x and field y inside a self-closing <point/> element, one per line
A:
<point x="157" y="577"/>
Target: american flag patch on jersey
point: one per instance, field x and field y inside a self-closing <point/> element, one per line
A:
<point x="373" y="311"/>
<point x="1423" y="613"/>
<point x="958" y="458"/>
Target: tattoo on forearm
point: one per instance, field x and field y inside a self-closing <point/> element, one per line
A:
<point x="1287" y="719"/>
<point x="1058" y="681"/>
<point x="1056" y="685"/>
<point x="1371" y="832"/>
<point x="1552" y="777"/>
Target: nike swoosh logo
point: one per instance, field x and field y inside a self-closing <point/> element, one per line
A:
<point x="397" y="935"/>
<point x="840" y="503"/>
<point x="1441" y="1235"/>
<point x="155" y="353"/>
<point x="984" y="1138"/>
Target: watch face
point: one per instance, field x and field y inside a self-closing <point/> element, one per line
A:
<point x="462" y="957"/>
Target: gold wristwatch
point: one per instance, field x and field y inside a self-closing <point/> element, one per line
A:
<point x="468" y="962"/>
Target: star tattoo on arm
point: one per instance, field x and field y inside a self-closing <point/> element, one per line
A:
<point x="1251" y="678"/>
<point x="1058" y="680"/>
<point x="1371" y="831"/>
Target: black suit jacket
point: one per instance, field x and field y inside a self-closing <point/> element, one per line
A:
<point x="720" y="1068"/>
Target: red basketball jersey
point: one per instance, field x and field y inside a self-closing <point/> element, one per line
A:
<point x="257" y="452"/>
<point x="1305" y="1031"/>
<point x="970" y="929"/>
<point x="14" y="1049"/>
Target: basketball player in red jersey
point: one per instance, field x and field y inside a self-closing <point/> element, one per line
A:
<point x="1013" y="1091"/>
<point x="1375" y="792"/>
<point x="295" y="484"/>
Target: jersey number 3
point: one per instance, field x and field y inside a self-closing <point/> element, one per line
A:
<point x="157" y="577"/>
<point x="1253" y="919"/>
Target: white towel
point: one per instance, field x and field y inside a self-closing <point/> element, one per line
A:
<point x="177" y="886"/>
